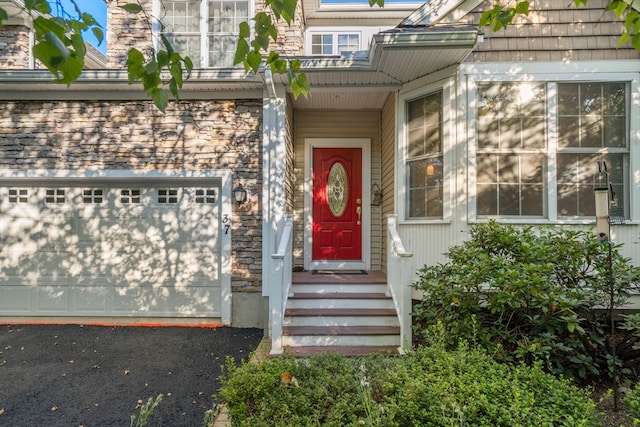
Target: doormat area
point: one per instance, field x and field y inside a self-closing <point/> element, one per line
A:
<point x="339" y="272"/>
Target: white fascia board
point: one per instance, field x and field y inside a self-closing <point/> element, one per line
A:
<point x="393" y="40"/>
<point x="440" y="11"/>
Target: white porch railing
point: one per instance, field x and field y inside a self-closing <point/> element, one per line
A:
<point x="399" y="275"/>
<point x="282" y="269"/>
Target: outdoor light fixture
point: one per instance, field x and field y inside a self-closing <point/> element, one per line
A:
<point x="376" y="192"/>
<point x="239" y="194"/>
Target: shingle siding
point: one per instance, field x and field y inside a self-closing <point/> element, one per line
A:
<point x="554" y="31"/>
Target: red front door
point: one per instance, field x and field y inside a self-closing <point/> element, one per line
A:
<point x="337" y="204"/>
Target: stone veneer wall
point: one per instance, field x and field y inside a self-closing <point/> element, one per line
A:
<point x="14" y="47"/>
<point x="127" y="30"/>
<point x="192" y="135"/>
<point x="290" y="38"/>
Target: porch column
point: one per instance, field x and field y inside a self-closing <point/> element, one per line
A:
<point x="273" y="177"/>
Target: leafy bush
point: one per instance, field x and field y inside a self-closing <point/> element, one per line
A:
<point x="528" y="294"/>
<point x="633" y="400"/>
<point x="430" y="387"/>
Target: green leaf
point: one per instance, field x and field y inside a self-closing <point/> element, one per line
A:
<point x="623" y="39"/>
<point x="42" y="26"/>
<point x="57" y="44"/>
<point x="295" y="65"/>
<point x="3" y="16"/>
<point x="71" y="70"/>
<point x="47" y="54"/>
<point x="41" y="6"/>
<point x="173" y="88"/>
<point x="299" y="86"/>
<point x="175" y="69"/>
<point x="166" y="43"/>
<point x="245" y="30"/>
<point x="254" y="59"/>
<point x="379" y="3"/>
<point x="131" y="7"/>
<point x="242" y="50"/>
<point x="160" y="98"/>
<point x="188" y="64"/>
<point x="522" y="8"/>
<point x="135" y="67"/>
<point x="98" y="34"/>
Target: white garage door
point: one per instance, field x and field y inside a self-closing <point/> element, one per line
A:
<point x="110" y="249"/>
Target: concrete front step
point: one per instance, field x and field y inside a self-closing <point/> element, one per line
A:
<point x="325" y="288"/>
<point x="341" y="335"/>
<point x="341" y="301"/>
<point x="346" y="350"/>
<point x="391" y="320"/>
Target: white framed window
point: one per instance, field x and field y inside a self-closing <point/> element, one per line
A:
<point x="511" y="145"/>
<point x="535" y="142"/>
<point x="205" y="30"/>
<point x="335" y="43"/>
<point x="424" y="162"/>
<point x="425" y="173"/>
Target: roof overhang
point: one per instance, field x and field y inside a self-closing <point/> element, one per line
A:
<point x="114" y="85"/>
<point x="395" y="57"/>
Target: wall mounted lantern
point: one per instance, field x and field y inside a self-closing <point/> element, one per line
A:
<point x="239" y="194"/>
<point x="376" y="193"/>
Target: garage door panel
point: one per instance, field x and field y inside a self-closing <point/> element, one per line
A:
<point x="96" y="250"/>
<point x="16" y="299"/>
<point x="53" y="298"/>
<point x="91" y="297"/>
<point x="157" y="301"/>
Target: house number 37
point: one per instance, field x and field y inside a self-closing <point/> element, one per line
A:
<point x="225" y="221"/>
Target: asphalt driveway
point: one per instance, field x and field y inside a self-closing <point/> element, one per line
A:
<point x="74" y="375"/>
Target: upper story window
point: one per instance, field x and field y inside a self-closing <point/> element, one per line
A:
<point x="424" y="162"/>
<point x="538" y="145"/>
<point x="205" y="30"/>
<point x="334" y="43"/>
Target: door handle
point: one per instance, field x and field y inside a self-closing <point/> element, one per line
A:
<point x="359" y="212"/>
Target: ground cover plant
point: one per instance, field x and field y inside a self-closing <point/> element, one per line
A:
<point x="429" y="387"/>
<point x="535" y="294"/>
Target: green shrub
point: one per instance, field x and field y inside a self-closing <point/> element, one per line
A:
<point x="527" y="294"/>
<point x="633" y="400"/>
<point x="429" y="387"/>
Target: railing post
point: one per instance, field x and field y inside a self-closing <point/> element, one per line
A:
<point x="399" y="268"/>
<point x="282" y="277"/>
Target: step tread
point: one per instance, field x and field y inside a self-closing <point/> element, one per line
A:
<point x="340" y="295"/>
<point x="292" y="312"/>
<point x="340" y="330"/>
<point x="356" y="350"/>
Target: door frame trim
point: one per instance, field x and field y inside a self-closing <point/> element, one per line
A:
<point x="365" y="145"/>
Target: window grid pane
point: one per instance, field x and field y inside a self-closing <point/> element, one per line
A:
<point x="54" y="195"/>
<point x="322" y="44"/>
<point x="510" y="184"/>
<point x="18" y="195"/>
<point x="348" y="43"/>
<point x="592" y="115"/>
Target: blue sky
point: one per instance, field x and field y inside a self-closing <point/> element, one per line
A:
<point x="97" y="8"/>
